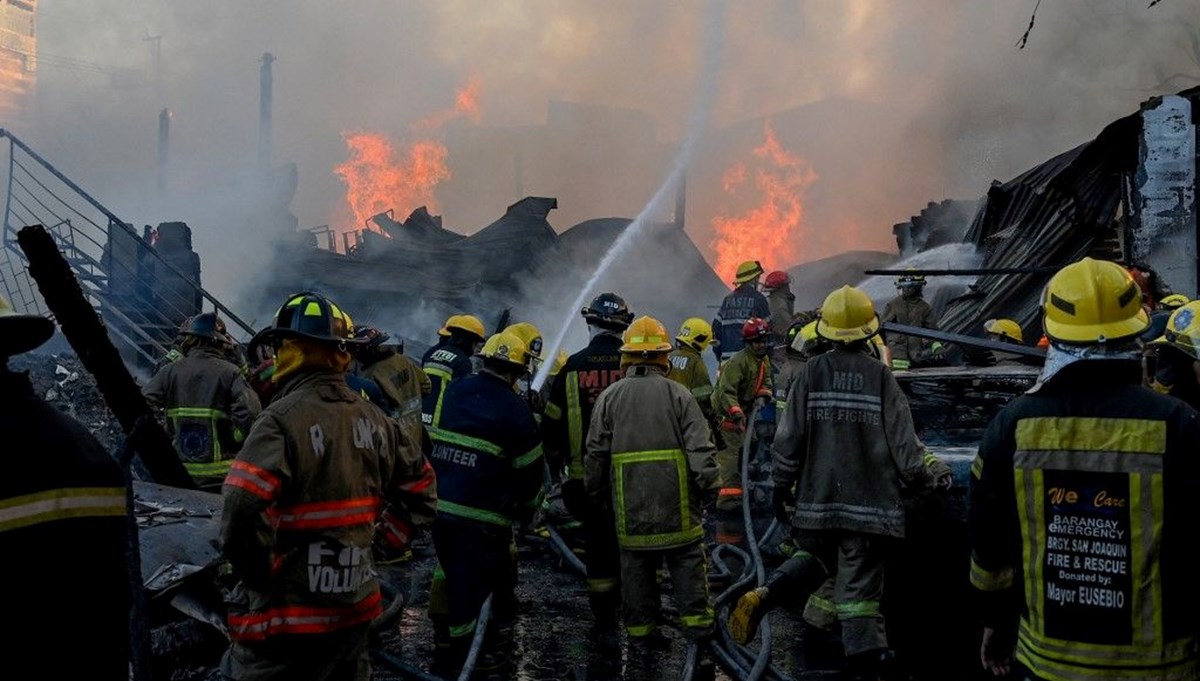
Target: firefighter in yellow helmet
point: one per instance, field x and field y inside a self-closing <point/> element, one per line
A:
<point x="1177" y="366"/>
<point x="458" y="339"/>
<point x="687" y="362"/>
<point x="650" y="457"/>
<point x="742" y="304"/>
<point x="844" y="448"/>
<point x="1080" y="502"/>
<point x="531" y="336"/>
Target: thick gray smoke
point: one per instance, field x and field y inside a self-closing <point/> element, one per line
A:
<point x="893" y="104"/>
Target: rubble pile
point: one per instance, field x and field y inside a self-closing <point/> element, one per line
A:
<point x="61" y="380"/>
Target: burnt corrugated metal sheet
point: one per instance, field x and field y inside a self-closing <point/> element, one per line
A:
<point x="1049" y="216"/>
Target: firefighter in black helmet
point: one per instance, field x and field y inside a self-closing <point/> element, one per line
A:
<point x="565" y="426"/>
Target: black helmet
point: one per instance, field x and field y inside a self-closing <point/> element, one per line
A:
<point x="206" y="325"/>
<point x="370" y="336"/>
<point x="608" y="311"/>
<point x="313" y="316"/>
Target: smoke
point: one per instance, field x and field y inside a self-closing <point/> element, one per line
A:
<point x="891" y="104"/>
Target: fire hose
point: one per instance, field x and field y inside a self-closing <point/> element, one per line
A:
<point x="400" y="666"/>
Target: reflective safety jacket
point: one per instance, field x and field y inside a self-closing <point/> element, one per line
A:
<point x="739" y="306"/>
<point x="487" y="453"/>
<point x="209" y="408"/>
<point x="650" y="454"/>
<point x="62" y="501"/>
<point x="845" y="438"/>
<point x="405" y="385"/>
<point x="1081" y="512"/>
<point x="301" y="503"/>
<point x="743" y="378"/>
<point x="688" y="369"/>
<point x="568" y="412"/>
<point x="910" y="312"/>
<point x="442" y="363"/>
<point x="782" y="303"/>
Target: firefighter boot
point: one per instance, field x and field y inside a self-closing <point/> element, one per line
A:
<point x="866" y="666"/>
<point x="604" y="606"/>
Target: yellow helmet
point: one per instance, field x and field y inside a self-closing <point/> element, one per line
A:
<point x="747" y="271"/>
<point x="1093" y="301"/>
<point x="695" y="333"/>
<point x="531" y="336"/>
<point x="1183" y="330"/>
<point x="1173" y="301"/>
<point x="463" y="322"/>
<point x="506" y="347"/>
<point x="804" y="339"/>
<point x="645" y="336"/>
<point x="21" y="332"/>
<point x="847" y="315"/>
<point x="560" y="361"/>
<point x="1004" y="327"/>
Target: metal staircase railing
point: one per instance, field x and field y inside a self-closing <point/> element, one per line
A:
<point x="142" y="291"/>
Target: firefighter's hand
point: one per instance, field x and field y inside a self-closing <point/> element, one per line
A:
<point x="781" y="498"/>
<point x="996" y="653"/>
<point x="761" y="400"/>
<point x="735" y="420"/>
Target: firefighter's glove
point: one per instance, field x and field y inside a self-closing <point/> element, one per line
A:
<point x="735" y="420"/>
<point x="943" y="477"/>
<point x="781" y="499"/>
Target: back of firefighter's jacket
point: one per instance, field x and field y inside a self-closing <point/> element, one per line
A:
<point x="846" y="440"/>
<point x="301" y="502"/>
<point x="650" y="455"/>
<point x="568" y="411"/>
<point x="209" y="408"/>
<point x="406" y="385"/>
<point x="688" y="369"/>
<point x="736" y="309"/>
<point x="1080" y="510"/>
<point x="487" y="453"/>
<point x="443" y="363"/>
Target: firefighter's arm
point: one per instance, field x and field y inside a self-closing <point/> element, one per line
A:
<point x="725" y="396"/>
<point x="426" y="384"/>
<point x="597" y="454"/>
<point x="698" y="443"/>
<point x="790" y="446"/>
<point x="245" y="407"/>
<point x="554" y="423"/>
<point x="527" y="466"/>
<point x="256" y="480"/>
<point x="908" y="454"/>
<point x="155" y="391"/>
<point x="992" y="528"/>
<point x="410" y="487"/>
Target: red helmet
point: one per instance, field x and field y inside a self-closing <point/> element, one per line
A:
<point x="777" y="279"/>
<point x="756" y="329"/>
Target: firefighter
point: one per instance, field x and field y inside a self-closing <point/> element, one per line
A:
<point x="208" y="404"/>
<point x="1079" y="549"/>
<point x="911" y="309"/>
<point x="531" y="336"/>
<point x="687" y="364"/>
<point x="743" y="303"/>
<point x="301" y="505"/>
<point x="403" y="383"/>
<point x="847" y="445"/>
<point x="62" y="501"/>
<point x="744" y="383"/>
<point x="782" y="303"/>
<point x="1158" y="326"/>
<point x="650" y="457"/>
<point x="487" y="452"/>
<point x="1177" y="356"/>
<point x="801" y="342"/>
<point x="565" y="425"/>
<point x="459" y="338"/>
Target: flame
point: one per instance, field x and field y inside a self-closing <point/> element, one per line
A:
<point x="770" y="232"/>
<point x="379" y="178"/>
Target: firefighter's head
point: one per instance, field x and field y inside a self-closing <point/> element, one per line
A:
<point x="911" y="284"/>
<point x="645" y="342"/>
<point x="607" y="312"/>
<point x="847" y="316"/>
<point x="531" y="336"/>
<point x="1003" y="331"/>
<point x="505" y="355"/>
<point x="1183" y="334"/>
<point x="756" y="332"/>
<point x="748" y="273"/>
<point x="310" y="332"/>
<point x="21" y="332"/>
<point x="695" y="333"/>
<point x="1093" y="302"/>
<point x="464" y="331"/>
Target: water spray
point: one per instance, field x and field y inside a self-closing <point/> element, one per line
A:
<point x="714" y="34"/>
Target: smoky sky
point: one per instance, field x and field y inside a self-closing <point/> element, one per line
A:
<point x="950" y="103"/>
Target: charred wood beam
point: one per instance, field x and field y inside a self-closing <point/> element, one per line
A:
<point x="85" y="332"/>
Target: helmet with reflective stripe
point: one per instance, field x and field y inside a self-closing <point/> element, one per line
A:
<point x="608" y="311"/>
<point x="756" y="329"/>
<point x="1183" y="330"/>
<point x="695" y="333"/>
<point x="465" y="323"/>
<point x="206" y="325"/>
<point x="313" y="316"/>
<point x="21" y="332"/>
<point x="777" y="279"/>
<point x="1004" y="327"/>
<point x="646" y="335"/>
<point x="847" y="315"/>
<point x="531" y="336"/>
<point x="1091" y="302"/>
<point x="1173" y="301"/>
<point x="506" y="347"/>
<point x="747" y="271"/>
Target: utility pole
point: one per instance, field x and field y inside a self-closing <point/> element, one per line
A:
<point x="265" y="83"/>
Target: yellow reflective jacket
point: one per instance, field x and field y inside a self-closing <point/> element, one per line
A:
<point x="688" y="369"/>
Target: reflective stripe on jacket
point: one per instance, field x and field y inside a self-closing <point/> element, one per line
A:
<point x="650" y="454"/>
<point x="442" y="364"/>
<point x="568" y="411"/>
<point x="1079" y="510"/>
<point x="301" y="502"/>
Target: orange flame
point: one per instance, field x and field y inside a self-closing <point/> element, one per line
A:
<point x="768" y="232"/>
<point x="378" y="178"/>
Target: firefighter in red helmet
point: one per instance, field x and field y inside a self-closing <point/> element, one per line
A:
<point x="745" y="382"/>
